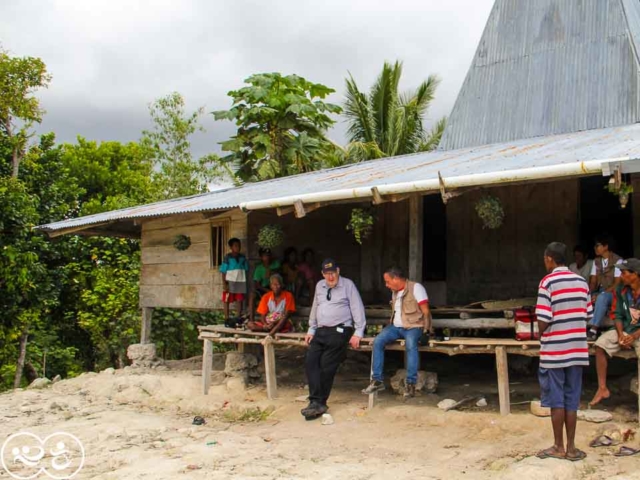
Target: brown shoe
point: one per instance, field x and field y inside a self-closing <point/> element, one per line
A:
<point x="409" y="391"/>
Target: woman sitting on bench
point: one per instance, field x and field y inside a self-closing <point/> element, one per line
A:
<point x="275" y="309"/>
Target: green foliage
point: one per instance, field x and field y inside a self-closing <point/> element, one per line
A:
<point x="178" y="174"/>
<point x="182" y="242"/>
<point x="281" y="122"/>
<point x="385" y="122"/>
<point x="270" y="236"/>
<point x="361" y="224"/>
<point x="20" y="77"/>
<point x="624" y="188"/>
<point x="490" y="211"/>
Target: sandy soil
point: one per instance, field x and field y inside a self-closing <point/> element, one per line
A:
<point x="137" y="424"/>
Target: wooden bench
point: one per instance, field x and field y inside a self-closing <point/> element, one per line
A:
<point x="500" y="347"/>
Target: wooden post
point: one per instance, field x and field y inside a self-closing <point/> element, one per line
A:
<point x="503" y="380"/>
<point x="207" y="364"/>
<point x="145" y="332"/>
<point x="372" y="399"/>
<point x="415" y="238"/>
<point x="270" y="368"/>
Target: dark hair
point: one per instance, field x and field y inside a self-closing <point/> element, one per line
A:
<point x="395" y="272"/>
<point x="264" y="251"/>
<point x="580" y="249"/>
<point x="603" y="239"/>
<point x="288" y="252"/>
<point x="306" y="251"/>
<point x="232" y="241"/>
<point x="556" y="251"/>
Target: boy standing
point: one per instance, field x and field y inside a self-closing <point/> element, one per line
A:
<point x="563" y="309"/>
<point x="234" y="270"/>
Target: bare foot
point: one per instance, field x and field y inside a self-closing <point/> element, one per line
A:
<point x="600" y="395"/>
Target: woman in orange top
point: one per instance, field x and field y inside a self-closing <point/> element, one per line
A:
<point x="275" y="309"/>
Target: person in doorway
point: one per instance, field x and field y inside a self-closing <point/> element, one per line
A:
<point x="336" y="321"/>
<point x="583" y="264"/>
<point x="234" y="270"/>
<point x="626" y="314"/>
<point x="604" y="278"/>
<point x="410" y="320"/>
<point x="261" y="275"/>
<point x="563" y="309"/>
<point x="290" y="271"/>
<point x="275" y="309"/>
<point x="308" y="275"/>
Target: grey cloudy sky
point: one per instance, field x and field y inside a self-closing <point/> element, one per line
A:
<point x="111" y="58"/>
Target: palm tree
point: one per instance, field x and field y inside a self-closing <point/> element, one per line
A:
<point x="385" y="122"/>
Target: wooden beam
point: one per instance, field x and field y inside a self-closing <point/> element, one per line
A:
<point x="270" y="368"/>
<point x="502" y="367"/>
<point x="281" y="211"/>
<point x="67" y="231"/>
<point x="145" y="331"/>
<point x="399" y="198"/>
<point x="416" y="230"/>
<point x="207" y="364"/>
<point x="299" y="210"/>
<point x="377" y="198"/>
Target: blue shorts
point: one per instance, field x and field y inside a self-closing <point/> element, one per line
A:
<point x="561" y="387"/>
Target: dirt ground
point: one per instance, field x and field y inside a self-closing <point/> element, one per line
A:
<point x="137" y="424"/>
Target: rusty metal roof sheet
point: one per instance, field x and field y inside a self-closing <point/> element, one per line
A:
<point x="604" y="144"/>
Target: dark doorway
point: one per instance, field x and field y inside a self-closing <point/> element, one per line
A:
<point x="434" y="257"/>
<point x="600" y="212"/>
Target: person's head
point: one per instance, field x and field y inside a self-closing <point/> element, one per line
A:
<point x="602" y="244"/>
<point x="394" y="279"/>
<point x="330" y="272"/>
<point x="265" y="255"/>
<point x="234" y="245"/>
<point x="291" y="255"/>
<point x="276" y="282"/>
<point x="555" y="255"/>
<point x="308" y="256"/>
<point x="580" y="255"/>
<point x="630" y="271"/>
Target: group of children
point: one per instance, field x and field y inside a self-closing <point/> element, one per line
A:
<point x="276" y="286"/>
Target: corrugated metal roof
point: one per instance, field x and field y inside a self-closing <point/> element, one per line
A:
<point x="601" y="144"/>
<point x="546" y="67"/>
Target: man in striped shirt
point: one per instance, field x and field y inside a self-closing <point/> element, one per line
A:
<point x="563" y="309"/>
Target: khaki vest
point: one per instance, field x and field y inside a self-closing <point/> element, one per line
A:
<point x="606" y="276"/>
<point x="411" y="313"/>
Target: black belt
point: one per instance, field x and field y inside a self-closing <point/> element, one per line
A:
<point x="342" y="325"/>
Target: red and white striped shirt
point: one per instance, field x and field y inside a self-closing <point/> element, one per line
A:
<point x="564" y="303"/>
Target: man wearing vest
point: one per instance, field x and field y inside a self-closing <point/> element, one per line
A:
<point x="605" y="277"/>
<point x="411" y="318"/>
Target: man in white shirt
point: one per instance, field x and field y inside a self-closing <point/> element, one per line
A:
<point x="583" y="265"/>
<point x="410" y="320"/>
<point x="602" y="282"/>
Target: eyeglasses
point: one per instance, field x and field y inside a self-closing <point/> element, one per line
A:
<point x="329" y="295"/>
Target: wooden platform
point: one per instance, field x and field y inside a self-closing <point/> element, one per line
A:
<point x="500" y="347"/>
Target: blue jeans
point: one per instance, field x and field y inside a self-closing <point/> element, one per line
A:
<point x="601" y="308"/>
<point x="389" y="334"/>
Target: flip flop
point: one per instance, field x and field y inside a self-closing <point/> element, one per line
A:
<point x="602" y="441"/>
<point x="626" y="451"/>
<point x="580" y="455"/>
<point x="549" y="453"/>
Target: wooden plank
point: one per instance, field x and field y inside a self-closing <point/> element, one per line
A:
<point x="178" y="296"/>
<point x="298" y="207"/>
<point x="145" y="331"/>
<point x="377" y="197"/>
<point x="416" y="229"/>
<point x="373" y="397"/>
<point x="194" y="273"/>
<point x="207" y="365"/>
<point x="200" y="233"/>
<point x="270" y="368"/>
<point x="199" y="252"/>
<point x="503" y="380"/>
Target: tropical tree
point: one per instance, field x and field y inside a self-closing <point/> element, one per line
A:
<point x="20" y="77"/>
<point x="282" y="121"/>
<point x="177" y="173"/>
<point x="385" y="122"/>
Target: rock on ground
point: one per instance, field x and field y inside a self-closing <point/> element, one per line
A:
<point x="533" y="468"/>
<point x="40" y="383"/>
<point x="143" y="355"/>
<point x="634" y="385"/>
<point x="446" y="403"/>
<point x="538" y="410"/>
<point x="427" y="381"/>
<point x="595" y="416"/>
<point x="243" y="365"/>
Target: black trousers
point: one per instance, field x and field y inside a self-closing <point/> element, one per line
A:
<point x="327" y="351"/>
